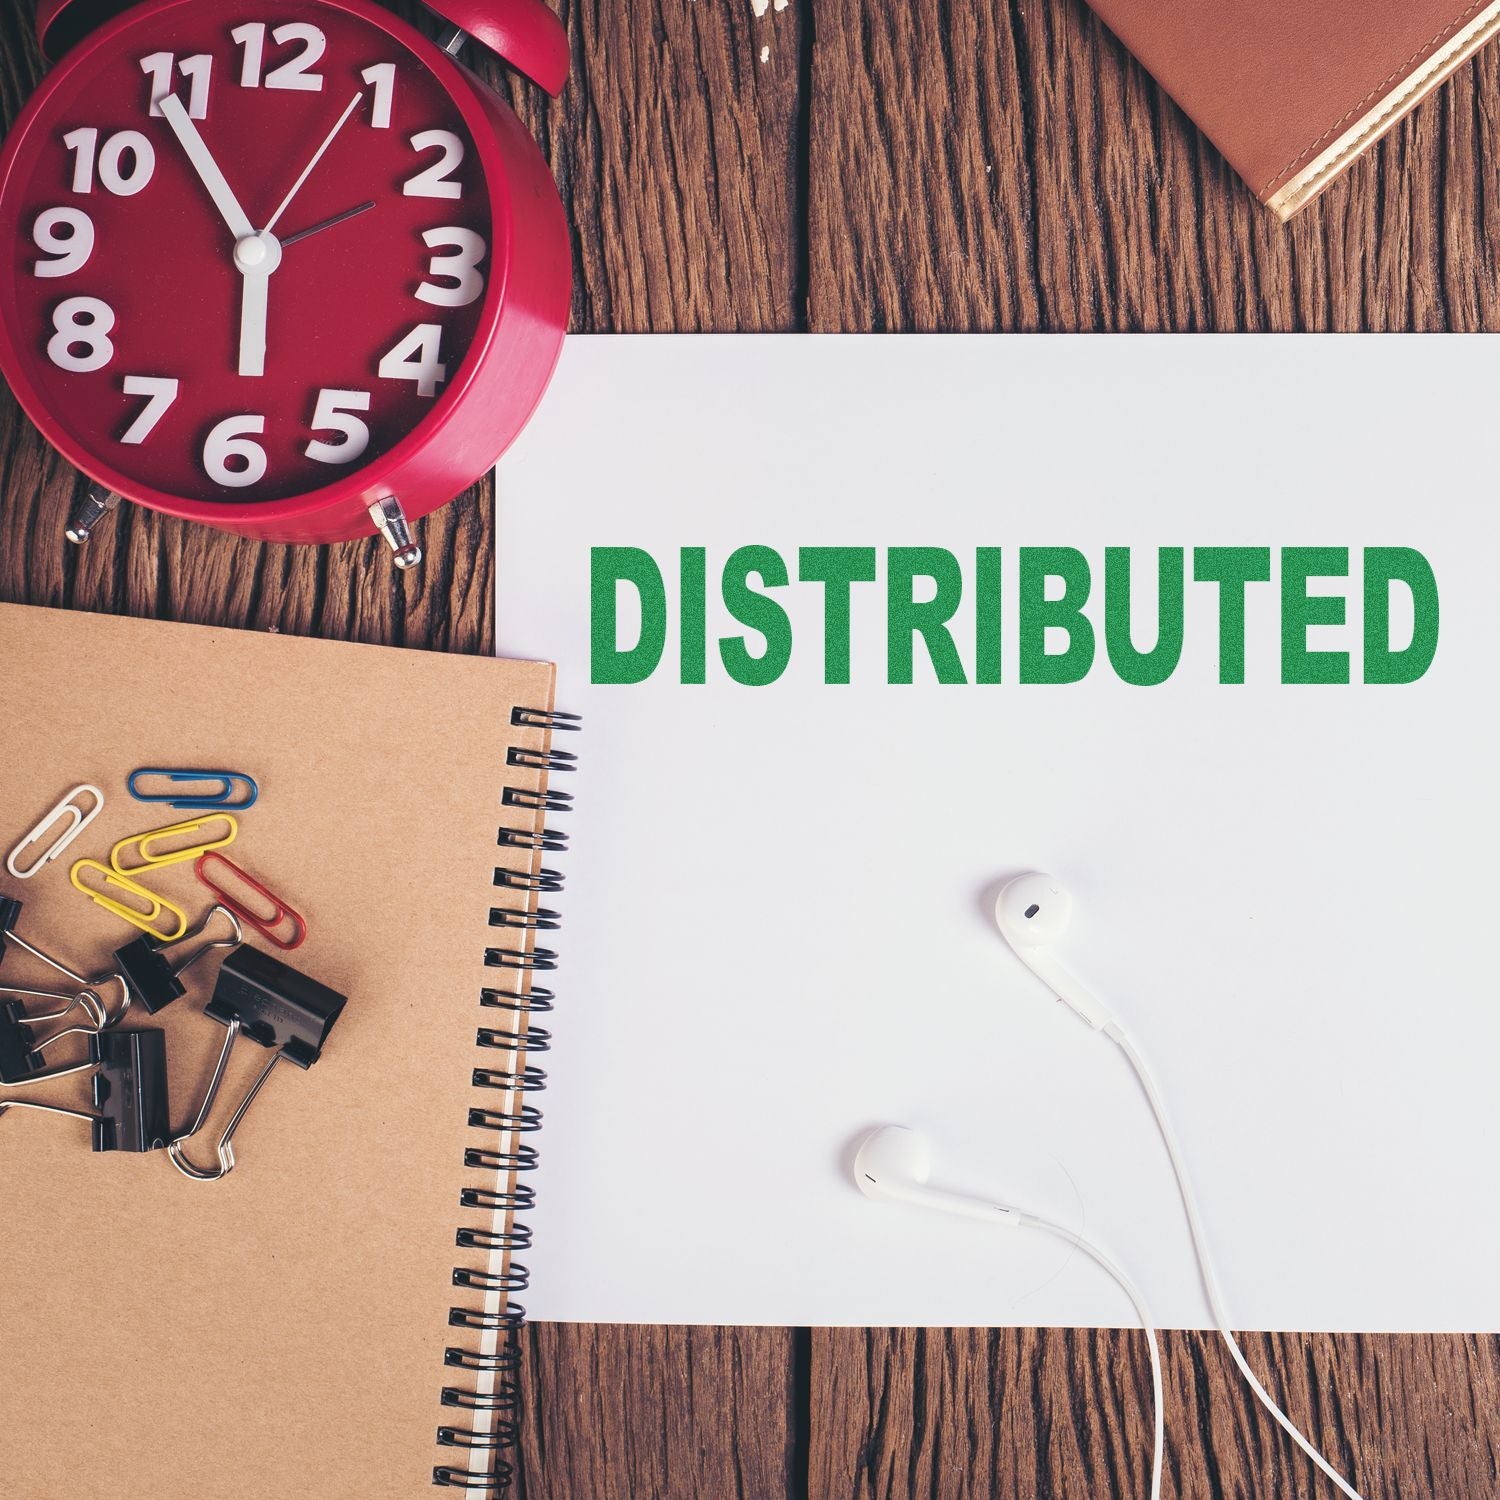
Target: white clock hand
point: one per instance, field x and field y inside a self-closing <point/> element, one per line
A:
<point x="176" y="115"/>
<point x="322" y="151"/>
<point x="256" y="258"/>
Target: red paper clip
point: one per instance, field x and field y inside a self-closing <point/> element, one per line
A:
<point x="267" y="925"/>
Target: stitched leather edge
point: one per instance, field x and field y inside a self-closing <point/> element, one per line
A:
<point x="1396" y="73"/>
<point x="1294" y="193"/>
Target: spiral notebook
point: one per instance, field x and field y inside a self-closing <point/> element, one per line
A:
<point x="336" y="1317"/>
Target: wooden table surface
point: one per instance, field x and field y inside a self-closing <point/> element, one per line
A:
<point x="938" y="164"/>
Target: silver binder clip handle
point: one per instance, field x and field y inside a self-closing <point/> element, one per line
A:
<point x="235" y="937"/>
<point x="390" y="520"/>
<point x="453" y="40"/>
<point x="97" y="502"/>
<point x="176" y="1150"/>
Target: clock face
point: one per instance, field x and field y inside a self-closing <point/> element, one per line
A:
<point x="247" y="247"/>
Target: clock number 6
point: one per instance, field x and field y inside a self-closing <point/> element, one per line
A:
<point x="335" y="414"/>
<point x="82" y="323"/>
<point x="230" y="440"/>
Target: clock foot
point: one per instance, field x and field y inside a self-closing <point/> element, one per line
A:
<point x="390" y="521"/>
<point x="96" y="503"/>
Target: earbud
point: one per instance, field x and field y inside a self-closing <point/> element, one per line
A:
<point x="894" y="1163"/>
<point x="1032" y="912"/>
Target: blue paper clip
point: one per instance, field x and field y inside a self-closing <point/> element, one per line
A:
<point x="221" y="799"/>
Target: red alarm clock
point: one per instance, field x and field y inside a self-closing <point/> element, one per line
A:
<point x="284" y="267"/>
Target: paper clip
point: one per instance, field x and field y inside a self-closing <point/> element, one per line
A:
<point x="221" y="800"/>
<point x="268" y="924"/>
<point x="155" y="980"/>
<point x="78" y="820"/>
<point x="154" y="905"/>
<point x="130" y="1091"/>
<point x="273" y="1004"/>
<point x="144" y="842"/>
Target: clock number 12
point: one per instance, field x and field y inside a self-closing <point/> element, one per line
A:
<point x="296" y="72"/>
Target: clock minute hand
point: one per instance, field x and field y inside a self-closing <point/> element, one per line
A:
<point x="322" y="151"/>
<point x="197" y="152"/>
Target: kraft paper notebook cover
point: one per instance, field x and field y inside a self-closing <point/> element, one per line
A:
<point x="284" y="1331"/>
<point x="1294" y="91"/>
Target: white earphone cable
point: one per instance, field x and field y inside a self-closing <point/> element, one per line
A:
<point x="1031" y="1221"/>
<point x="1205" y="1268"/>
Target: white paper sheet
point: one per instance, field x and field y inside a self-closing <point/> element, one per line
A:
<point x="777" y="916"/>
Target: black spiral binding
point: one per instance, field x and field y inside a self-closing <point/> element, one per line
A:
<point x="512" y="1073"/>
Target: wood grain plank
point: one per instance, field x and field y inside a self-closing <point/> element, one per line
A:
<point x="617" y="1413"/>
<point x="984" y="166"/>
<point x="677" y="152"/>
<point x="967" y="165"/>
<point x="1031" y="1414"/>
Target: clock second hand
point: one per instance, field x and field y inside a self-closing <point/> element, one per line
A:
<point x="334" y="222"/>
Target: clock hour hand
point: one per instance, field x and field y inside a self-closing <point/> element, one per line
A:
<point x="256" y="258"/>
<point x="197" y="152"/>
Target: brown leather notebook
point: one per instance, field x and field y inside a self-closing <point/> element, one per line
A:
<point x="1293" y="91"/>
<point x="331" y="1318"/>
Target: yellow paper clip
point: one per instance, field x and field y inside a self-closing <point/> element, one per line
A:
<point x="150" y="860"/>
<point x="154" y="905"/>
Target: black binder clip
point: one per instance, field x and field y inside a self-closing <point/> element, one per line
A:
<point x="273" y="1004"/>
<point x="20" y="1053"/>
<point x="130" y="1091"/>
<point x="155" y="980"/>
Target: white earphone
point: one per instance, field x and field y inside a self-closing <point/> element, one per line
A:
<point x="894" y="1163"/>
<point x="1033" y="912"/>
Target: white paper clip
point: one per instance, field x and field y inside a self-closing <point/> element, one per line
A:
<point x="78" y="820"/>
